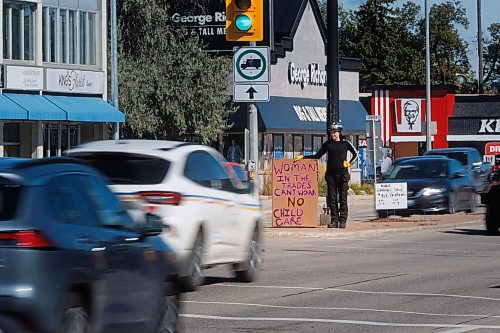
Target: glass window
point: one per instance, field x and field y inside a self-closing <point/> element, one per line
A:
<point x="317" y="143"/>
<point x="72" y="37"/>
<point x="205" y="170"/>
<point x="122" y="168"/>
<point x="92" y="39"/>
<point x="106" y="204"/>
<point x="49" y="34"/>
<point x="83" y="37"/>
<point x="64" y="42"/>
<point x="268" y="143"/>
<point x="67" y="202"/>
<point x="19" y="31"/>
<point x="9" y="199"/>
<point x="298" y="149"/>
<point x="11" y="133"/>
<point x="308" y="143"/>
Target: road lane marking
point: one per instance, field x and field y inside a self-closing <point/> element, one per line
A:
<point x="394" y="249"/>
<point x="337" y="321"/>
<point x="459" y="330"/>
<point x="341" y="309"/>
<point x="391" y="293"/>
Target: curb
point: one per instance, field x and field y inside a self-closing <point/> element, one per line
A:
<point x="280" y="233"/>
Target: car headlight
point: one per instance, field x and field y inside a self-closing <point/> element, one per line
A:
<point x="428" y="191"/>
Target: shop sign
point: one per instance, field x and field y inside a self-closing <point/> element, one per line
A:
<point x="74" y="81"/>
<point x="489" y="126"/>
<point x="310" y="113"/>
<point x="362" y="143"/>
<point x="408" y="115"/>
<point x="23" y="78"/>
<point x="311" y="75"/>
<point x="492" y="148"/>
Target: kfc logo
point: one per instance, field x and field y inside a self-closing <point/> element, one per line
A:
<point x="408" y="115"/>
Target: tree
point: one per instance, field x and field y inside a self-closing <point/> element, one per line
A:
<point x="169" y="88"/>
<point x="492" y="58"/>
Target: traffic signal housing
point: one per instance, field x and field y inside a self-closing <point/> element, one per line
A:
<point x="244" y="20"/>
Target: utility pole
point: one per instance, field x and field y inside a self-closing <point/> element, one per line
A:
<point x="480" y="48"/>
<point x="332" y="63"/>
<point x="114" y="66"/>
<point x="428" y="97"/>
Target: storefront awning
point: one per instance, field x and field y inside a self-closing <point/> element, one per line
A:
<point x="10" y="110"/>
<point x="304" y="115"/>
<point x="37" y="107"/>
<point x="87" y="109"/>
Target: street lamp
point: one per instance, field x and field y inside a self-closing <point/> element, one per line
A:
<point x="428" y="134"/>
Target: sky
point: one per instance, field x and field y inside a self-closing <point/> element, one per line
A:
<point x="490" y="14"/>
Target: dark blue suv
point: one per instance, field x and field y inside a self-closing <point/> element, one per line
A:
<point x="72" y="259"/>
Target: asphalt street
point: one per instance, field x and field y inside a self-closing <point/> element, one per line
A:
<point x="439" y="280"/>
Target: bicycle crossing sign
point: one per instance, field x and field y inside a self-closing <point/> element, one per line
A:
<point x="251" y="64"/>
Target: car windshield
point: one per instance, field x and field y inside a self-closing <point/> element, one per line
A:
<point x="9" y="200"/>
<point x="459" y="156"/>
<point x="123" y="168"/>
<point x="419" y="170"/>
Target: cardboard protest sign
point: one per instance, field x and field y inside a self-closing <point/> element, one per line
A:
<point x="391" y="196"/>
<point x="295" y="193"/>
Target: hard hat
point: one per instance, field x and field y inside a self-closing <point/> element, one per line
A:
<point x="336" y="127"/>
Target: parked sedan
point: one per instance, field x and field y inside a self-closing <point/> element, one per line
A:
<point x="210" y="219"/>
<point x="73" y="261"/>
<point x="491" y="197"/>
<point x="434" y="184"/>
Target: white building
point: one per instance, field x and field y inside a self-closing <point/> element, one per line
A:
<point x="53" y="85"/>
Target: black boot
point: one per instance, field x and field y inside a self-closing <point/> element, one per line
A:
<point x="342" y="225"/>
<point x="333" y="224"/>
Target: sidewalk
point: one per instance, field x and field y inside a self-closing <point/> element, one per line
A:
<point x="367" y="223"/>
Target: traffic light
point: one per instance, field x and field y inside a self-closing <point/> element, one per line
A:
<point x="244" y="20"/>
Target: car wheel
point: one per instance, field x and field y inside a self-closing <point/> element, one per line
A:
<point x="452" y="209"/>
<point x="76" y="317"/>
<point x="492" y="220"/>
<point x="195" y="277"/>
<point x="169" y="314"/>
<point x="253" y="260"/>
<point x="472" y="203"/>
<point x="9" y="325"/>
<point x="382" y="214"/>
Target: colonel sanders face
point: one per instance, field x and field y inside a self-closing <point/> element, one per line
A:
<point x="411" y="112"/>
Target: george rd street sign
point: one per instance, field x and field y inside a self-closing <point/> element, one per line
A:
<point x="258" y="92"/>
<point x="251" y="64"/>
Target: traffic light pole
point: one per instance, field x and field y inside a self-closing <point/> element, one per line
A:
<point x="332" y="63"/>
<point x="253" y="128"/>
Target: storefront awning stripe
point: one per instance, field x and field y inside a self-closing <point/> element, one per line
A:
<point x="38" y="107"/>
<point x="10" y="110"/>
<point x="304" y="115"/>
<point x="87" y="109"/>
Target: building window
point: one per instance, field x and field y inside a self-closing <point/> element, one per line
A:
<point x="70" y="34"/>
<point x="278" y="145"/>
<point x="19" y="21"/>
<point x="58" y="138"/>
<point x="298" y="148"/>
<point x="308" y="149"/>
<point x="11" y="140"/>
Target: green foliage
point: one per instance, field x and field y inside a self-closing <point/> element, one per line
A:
<point x="492" y="57"/>
<point x="169" y="88"/>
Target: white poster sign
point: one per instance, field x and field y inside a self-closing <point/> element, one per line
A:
<point x="409" y="115"/>
<point x="23" y="78"/>
<point x="391" y="196"/>
<point x="74" y="81"/>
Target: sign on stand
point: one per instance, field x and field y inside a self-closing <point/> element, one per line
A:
<point x="391" y="196"/>
<point x="295" y="193"/>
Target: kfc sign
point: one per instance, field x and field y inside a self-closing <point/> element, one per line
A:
<point x="409" y="115"/>
<point x="490" y="126"/>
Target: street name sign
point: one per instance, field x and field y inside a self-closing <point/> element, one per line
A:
<point x="258" y="92"/>
<point x="373" y="117"/>
<point x="251" y="64"/>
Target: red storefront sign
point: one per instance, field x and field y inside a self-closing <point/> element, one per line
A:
<point x="492" y="148"/>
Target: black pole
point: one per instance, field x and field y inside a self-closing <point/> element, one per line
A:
<point x="332" y="63"/>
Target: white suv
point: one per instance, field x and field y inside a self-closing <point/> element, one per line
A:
<point x="209" y="218"/>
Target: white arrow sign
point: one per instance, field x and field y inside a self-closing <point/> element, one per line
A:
<point x="251" y="92"/>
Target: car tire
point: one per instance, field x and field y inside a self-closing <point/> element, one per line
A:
<point x="452" y="208"/>
<point x="76" y="317"/>
<point x="169" y="314"/>
<point x="472" y="203"/>
<point x="195" y="275"/>
<point x="382" y="214"/>
<point x="10" y="325"/>
<point x="252" y="262"/>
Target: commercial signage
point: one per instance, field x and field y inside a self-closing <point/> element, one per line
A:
<point x="312" y="75"/>
<point x="492" y="148"/>
<point x="474" y="126"/>
<point x="310" y="113"/>
<point x="74" y="81"/>
<point x="208" y="22"/>
<point x="295" y="193"/>
<point x="409" y="115"/>
<point x="489" y="126"/>
<point x="23" y="78"/>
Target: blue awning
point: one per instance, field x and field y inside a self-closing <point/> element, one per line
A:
<point x="38" y="107"/>
<point x="10" y="110"/>
<point x="305" y="115"/>
<point x="88" y="109"/>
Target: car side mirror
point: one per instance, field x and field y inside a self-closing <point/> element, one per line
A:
<point x="457" y="175"/>
<point x="153" y="226"/>
<point x="476" y="165"/>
